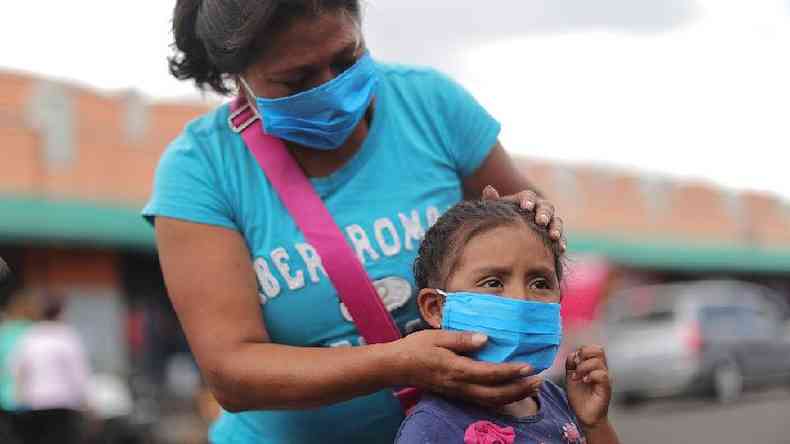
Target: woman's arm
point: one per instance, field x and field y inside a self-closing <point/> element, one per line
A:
<point x="212" y="285"/>
<point x="211" y="281"/>
<point x="498" y="175"/>
<point x="499" y="171"/>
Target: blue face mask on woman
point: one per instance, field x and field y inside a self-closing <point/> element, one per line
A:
<point x="323" y="117"/>
<point x="518" y="331"/>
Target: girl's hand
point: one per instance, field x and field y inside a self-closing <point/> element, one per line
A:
<point x="588" y="385"/>
<point x="544" y="211"/>
<point x="429" y="360"/>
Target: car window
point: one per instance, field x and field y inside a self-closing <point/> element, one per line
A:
<point x="649" y="317"/>
<point x="644" y="304"/>
<point x="736" y="322"/>
<point x="722" y="321"/>
<point x="764" y="325"/>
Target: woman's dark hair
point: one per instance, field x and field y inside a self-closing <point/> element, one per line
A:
<point x="443" y="244"/>
<point x="217" y="39"/>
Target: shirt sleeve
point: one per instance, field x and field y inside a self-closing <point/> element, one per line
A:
<point x="470" y="131"/>
<point x="422" y="427"/>
<point x="186" y="186"/>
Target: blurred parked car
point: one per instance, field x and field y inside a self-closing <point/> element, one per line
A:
<point x="708" y="337"/>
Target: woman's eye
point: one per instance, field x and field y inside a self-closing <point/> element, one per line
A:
<point x="342" y="66"/>
<point x="292" y="84"/>
<point x="492" y="283"/>
<point x="540" y="284"/>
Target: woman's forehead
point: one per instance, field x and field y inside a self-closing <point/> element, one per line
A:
<point x="310" y="40"/>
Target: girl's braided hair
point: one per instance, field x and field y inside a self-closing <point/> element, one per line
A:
<point x="443" y="243"/>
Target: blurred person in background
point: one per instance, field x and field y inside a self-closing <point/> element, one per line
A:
<point x="20" y="309"/>
<point x="51" y="373"/>
<point x="385" y="146"/>
<point x="15" y="319"/>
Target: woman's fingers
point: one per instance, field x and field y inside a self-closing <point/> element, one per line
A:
<point x="469" y="371"/>
<point x="544" y="213"/>
<point x="490" y="193"/>
<point x="556" y="228"/>
<point x="457" y="341"/>
<point x="527" y="198"/>
<point x="504" y="394"/>
<point x="437" y="366"/>
<point x="544" y="210"/>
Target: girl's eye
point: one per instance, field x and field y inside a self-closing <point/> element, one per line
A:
<point x="540" y="284"/>
<point x="492" y="283"/>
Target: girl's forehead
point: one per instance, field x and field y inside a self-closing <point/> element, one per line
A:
<point x="506" y="244"/>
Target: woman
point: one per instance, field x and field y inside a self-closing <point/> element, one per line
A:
<point x="387" y="156"/>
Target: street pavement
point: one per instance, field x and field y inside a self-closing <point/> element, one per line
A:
<point x="758" y="418"/>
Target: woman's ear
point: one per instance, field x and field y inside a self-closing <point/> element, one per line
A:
<point x="431" y="304"/>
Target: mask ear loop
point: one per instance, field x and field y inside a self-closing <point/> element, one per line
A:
<point x="251" y="98"/>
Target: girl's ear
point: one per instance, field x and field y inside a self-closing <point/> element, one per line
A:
<point x="431" y="304"/>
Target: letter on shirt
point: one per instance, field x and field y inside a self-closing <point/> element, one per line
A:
<point x="267" y="281"/>
<point x="280" y="258"/>
<point x="412" y="228"/>
<point x="384" y="224"/>
<point x="312" y="260"/>
<point x="361" y="243"/>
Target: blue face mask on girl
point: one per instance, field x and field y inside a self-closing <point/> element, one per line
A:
<point x="518" y="331"/>
<point x="323" y="117"/>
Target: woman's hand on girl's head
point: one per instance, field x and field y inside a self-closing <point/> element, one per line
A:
<point x="544" y="210"/>
<point x="588" y="385"/>
<point x="430" y="360"/>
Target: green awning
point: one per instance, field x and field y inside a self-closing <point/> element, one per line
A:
<point x="42" y="221"/>
<point x="679" y="256"/>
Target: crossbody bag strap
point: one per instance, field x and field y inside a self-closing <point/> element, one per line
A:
<point x="305" y="206"/>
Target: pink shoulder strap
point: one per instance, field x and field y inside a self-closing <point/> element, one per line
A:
<point x="296" y="192"/>
<point x="347" y="274"/>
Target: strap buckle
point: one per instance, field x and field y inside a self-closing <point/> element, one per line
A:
<point x="244" y="125"/>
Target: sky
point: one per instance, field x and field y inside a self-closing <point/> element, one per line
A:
<point x="693" y="89"/>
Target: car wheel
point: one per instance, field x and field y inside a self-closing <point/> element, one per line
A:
<point x="727" y="382"/>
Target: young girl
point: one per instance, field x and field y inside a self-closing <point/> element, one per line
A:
<point x="485" y="266"/>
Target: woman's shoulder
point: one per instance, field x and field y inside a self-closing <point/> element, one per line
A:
<point x="208" y="126"/>
<point x="421" y="79"/>
<point x="206" y="140"/>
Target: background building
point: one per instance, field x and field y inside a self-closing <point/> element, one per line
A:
<point x="76" y="166"/>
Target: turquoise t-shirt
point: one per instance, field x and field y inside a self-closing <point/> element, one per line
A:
<point x="427" y="134"/>
<point x="11" y="333"/>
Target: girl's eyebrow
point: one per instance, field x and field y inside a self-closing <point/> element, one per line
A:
<point x="542" y="269"/>
<point x="507" y="271"/>
<point x="492" y="270"/>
